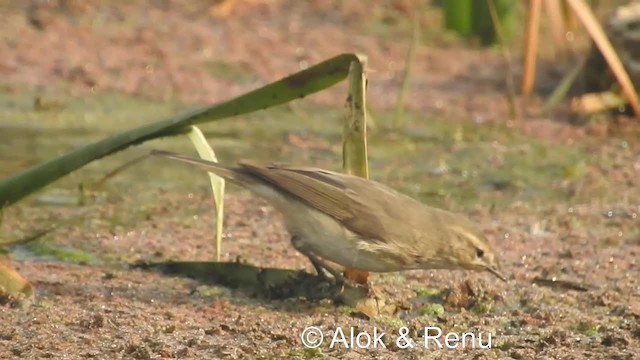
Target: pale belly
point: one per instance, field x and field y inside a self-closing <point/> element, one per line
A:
<point x="325" y="237"/>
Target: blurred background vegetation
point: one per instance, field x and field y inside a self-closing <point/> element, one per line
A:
<point x="452" y="83"/>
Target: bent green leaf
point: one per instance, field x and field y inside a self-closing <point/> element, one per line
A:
<point x="303" y="83"/>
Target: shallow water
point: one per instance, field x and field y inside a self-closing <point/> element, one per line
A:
<point x="439" y="160"/>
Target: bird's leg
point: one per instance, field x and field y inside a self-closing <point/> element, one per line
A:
<point x="317" y="265"/>
<point x="320" y="266"/>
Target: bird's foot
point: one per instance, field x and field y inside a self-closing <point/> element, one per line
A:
<point x="338" y="277"/>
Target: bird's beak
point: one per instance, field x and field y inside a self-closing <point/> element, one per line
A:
<point x="497" y="273"/>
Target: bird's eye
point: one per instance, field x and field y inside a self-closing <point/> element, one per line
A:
<point x="479" y="252"/>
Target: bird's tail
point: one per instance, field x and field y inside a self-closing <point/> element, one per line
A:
<point x="226" y="172"/>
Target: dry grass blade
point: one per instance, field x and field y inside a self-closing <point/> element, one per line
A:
<point x="531" y="46"/>
<point x="217" y="183"/>
<point x="553" y="11"/>
<point x="354" y="147"/>
<point x="588" y="19"/>
<point x="569" y="17"/>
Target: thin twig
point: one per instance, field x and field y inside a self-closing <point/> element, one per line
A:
<point x="506" y="54"/>
<point x="408" y="69"/>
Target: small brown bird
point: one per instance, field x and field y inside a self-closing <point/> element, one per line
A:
<point x="359" y="223"/>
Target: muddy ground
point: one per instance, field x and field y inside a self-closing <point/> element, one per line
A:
<point x="559" y="200"/>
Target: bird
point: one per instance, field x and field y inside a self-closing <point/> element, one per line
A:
<point x="359" y="223"/>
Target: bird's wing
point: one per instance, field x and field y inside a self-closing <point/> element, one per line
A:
<point x="316" y="187"/>
<point x="329" y="192"/>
